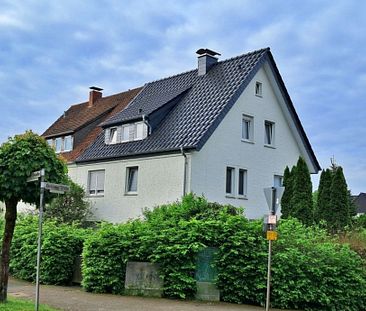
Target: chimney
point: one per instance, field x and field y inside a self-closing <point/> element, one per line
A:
<point x="206" y="59"/>
<point x="94" y="94"/>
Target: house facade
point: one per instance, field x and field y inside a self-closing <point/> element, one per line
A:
<point x="225" y="130"/>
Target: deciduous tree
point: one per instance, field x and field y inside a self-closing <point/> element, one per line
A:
<point x="19" y="157"/>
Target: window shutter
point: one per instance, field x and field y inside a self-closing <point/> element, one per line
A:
<point x="145" y="133"/>
<point x="106" y="137"/>
<point x="119" y="134"/>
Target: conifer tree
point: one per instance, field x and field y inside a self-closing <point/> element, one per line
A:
<point x="339" y="214"/>
<point x="286" y="197"/>
<point x="322" y="207"/>
<point x="302" y="200"/>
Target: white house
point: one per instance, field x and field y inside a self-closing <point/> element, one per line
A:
<point x="226" y="130"/>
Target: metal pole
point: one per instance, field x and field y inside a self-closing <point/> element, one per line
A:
<point x="270" y="227"/>
<point x="41" y="199"/>
<point x="269" y="275"/>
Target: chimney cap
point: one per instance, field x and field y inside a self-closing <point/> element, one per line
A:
<point x="207" y="51"/>
<point x="95" y="88"/>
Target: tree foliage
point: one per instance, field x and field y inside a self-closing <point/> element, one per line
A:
<point x="287" y="195"/>
<point x="322" y="207"/>
<point x="70" y="207"/>
<point x="19" y="157"/>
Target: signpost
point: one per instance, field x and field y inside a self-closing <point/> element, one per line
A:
<point x="273" y="196"/>
<point x="54" y="188"/>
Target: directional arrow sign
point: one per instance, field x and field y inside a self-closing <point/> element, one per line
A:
<point x="55" y="188"/>
<point x="34" y="176"/>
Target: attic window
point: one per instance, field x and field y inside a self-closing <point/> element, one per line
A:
<point x="126" y="133"/>
<point x="113" y="135"/>
<point x="61" y="144"/>
<point x="258" y="89"/>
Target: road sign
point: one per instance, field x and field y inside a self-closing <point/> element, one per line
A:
<point x="55" y="188"/>
<point x="273" y="197"/>
<point x="271" y="235"/>
<point x="34" y="176"/>
<point x="272" y="219"/>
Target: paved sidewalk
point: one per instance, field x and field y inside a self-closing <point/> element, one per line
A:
<point x="75" y="299"/>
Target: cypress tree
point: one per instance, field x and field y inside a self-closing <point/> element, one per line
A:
<point x="339" y="215"/>
<point x="322" y="207"/>
<point x="286" y="197"/>
<point x="302" y="200"/>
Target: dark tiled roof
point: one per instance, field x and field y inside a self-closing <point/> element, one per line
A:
<point x="360" y="202"/>
<point x="79" y="115"/>
<point x="196" y="114"/>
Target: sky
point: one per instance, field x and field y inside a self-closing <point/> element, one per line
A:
<point x="51" y="52"/>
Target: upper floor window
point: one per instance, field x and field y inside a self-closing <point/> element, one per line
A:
<point x="269" y="132"/>
<point x="96" y="182"/>
<point x="242" y="183"/>
<point x="258" y="89"/>
<point x="247" y="128"/>
<point x="128" y="132"/>
<point x="61" y="144"/>
<point x="68" y="142"/>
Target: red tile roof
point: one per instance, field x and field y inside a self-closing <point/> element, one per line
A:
<point x="80" y="115"/>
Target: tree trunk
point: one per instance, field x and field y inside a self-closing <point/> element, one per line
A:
<point x="10" y="218"/>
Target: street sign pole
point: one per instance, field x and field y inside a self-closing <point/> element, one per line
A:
<point x="270" y="228"/>
<point x="41" y="202"/>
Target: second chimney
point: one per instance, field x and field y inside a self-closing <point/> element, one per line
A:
<point x="94" y="94"/>
<point x="206" y="59"/>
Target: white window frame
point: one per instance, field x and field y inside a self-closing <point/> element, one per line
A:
<point x="280" y="178"/>
<point x="125" y="127"/>
<point x="113" y="135"/>
<point x="128" y="190"/>
<point x="258" y="90"/>
<point x="97" y="192"/>
<point x="71" y="142"/>
<point x="247" y="119"/>
<point x="136" y="125"/>
<point x="61" y="144"/>
<point x="271" y="141"/>
<point x="244" y="182"/>
<point x="232" y="181"/>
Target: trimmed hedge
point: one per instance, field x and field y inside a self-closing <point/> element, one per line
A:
<point x="61" y="244"/>
<point x="310" y="270"/>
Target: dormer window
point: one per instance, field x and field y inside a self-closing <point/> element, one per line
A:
<point x="61" y="144"/>
<point x="113" y="135"/>
<point x="129" y="132"/>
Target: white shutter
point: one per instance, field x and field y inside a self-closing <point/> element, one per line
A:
<point x="145" y="133"/>
<point x="107" y="133"/>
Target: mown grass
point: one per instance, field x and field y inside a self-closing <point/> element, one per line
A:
<point x="22" y="305"/>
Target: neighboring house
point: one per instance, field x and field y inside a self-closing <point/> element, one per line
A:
<point x="225" y="130"/>
<point x="78" y="127"/>
<point x="360" y="203"/>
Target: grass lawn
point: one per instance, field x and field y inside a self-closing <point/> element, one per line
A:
<point x="22" y="305"/>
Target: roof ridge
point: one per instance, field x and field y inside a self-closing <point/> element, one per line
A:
<point x="221" y="61"/>
<point x="109" y="96"/>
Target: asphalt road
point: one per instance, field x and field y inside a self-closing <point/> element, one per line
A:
<point x="75" y="299"/>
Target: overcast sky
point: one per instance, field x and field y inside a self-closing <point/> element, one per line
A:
<point x="52" y="51"/>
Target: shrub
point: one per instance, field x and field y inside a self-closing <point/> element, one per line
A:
<point x="70" y="207"/>
<point x="61" y="244"/>
<point x="313" y="272"/>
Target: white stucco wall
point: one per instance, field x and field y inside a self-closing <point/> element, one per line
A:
<point x="226" y="148"/>
<point x="160" y="180"/>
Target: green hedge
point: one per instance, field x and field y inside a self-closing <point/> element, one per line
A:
<point x="311" y="271"/>
<point x="61" y="244"/>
